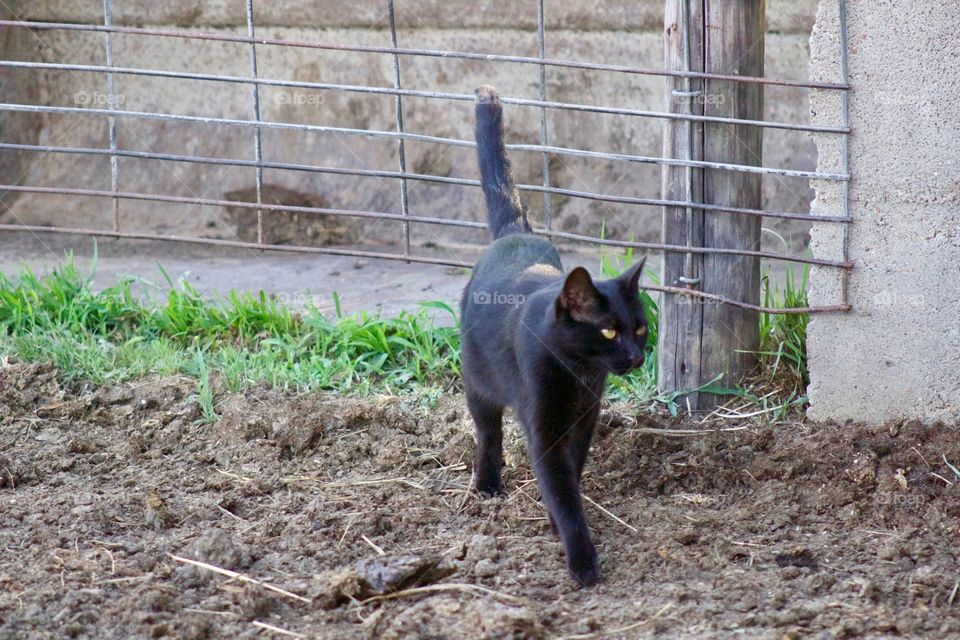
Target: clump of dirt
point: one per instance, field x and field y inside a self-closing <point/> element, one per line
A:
<point x="289" y="226"/>
<point x="123" y="515"/>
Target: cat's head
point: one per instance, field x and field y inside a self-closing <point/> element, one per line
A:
<point x="603" y="322"/>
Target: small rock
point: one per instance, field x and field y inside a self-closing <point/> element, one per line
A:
<point x="50" y="434"/>
<point x="360" y="264"/>
<point x="686" y="536"/>
<point x="849" y="513"/>
<point x="789" y="573"/>
<point x="901" y="478"/>
<point x="81" y="444"/>
<point x="256" y="603"/>
<point x="863" y="471"/>
<point x="485" y="568"/>
<point x="385" y="574"/>
<point x="895" y="427"/>
<point x="334" y="588"/>
<point x="157" y="513"/>
<point x="217" y="547"/>
<point x="481" y="547"/>
<point x="377" y="576"/>
<point x="890" y="551"/>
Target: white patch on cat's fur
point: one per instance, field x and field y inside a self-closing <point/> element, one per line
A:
<point x="542" y="269"/>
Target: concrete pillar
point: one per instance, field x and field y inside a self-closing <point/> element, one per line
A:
<point x="897" y="353"/>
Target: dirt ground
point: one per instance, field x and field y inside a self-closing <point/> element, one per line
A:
<point x="356" y="518"/>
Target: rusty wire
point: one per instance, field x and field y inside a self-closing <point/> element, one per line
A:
<point x="377" y="173"/>
<point x="405" y="218"/>
<point x="461" y="55"/>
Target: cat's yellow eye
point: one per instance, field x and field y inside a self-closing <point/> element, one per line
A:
<point x="641" y="331"/>
<point x="609" y="334"/>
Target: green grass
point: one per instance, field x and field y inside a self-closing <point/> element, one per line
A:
<point x="247" y="340"/>
<point x="783" y="337"/>
<point x="639" y="385"/>
<point x="204" y="397"/>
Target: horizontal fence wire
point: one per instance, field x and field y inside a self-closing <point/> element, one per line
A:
<point x="399" y="135"/>
<point x="213" y="202"/>
<point x="376" y="173"/>
<point x="419" y="137"/>
<point x="461" y="97"/>
<point x="434" y="53"/>
<point x="420" y="177"/>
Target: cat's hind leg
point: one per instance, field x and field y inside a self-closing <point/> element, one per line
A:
<point x="488" y="420"/>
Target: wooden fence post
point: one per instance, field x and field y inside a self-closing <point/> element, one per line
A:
<point x="681" y="319"/>
<point x="701" y="341"/>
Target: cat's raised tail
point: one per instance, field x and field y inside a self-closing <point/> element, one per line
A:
<point x="505" y="210"/>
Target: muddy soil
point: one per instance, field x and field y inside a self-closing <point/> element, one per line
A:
<point x="356" y="519"/>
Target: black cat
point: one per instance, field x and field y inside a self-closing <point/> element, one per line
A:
<point x="542" y="343"/>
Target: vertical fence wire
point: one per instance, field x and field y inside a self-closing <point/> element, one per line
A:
<point x="257" y="142"/>
<point x="112" y="121"/>
<point x="845" y="153"/>
<point x="401" y="150"/>
<point x="689" y="278"/>
<point x="542" y="50"/>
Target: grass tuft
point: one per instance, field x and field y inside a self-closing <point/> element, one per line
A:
<point x="639" y="385"/>
<point x="783" y="337"/>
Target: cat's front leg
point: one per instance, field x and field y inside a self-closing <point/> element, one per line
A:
<point x="557" y="479"/>
<point x="578" y="445"/>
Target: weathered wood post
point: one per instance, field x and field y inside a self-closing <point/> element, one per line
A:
<point x="699" y="341"/>
<point x="681" y="319"/>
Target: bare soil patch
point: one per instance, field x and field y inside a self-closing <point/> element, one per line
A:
<point x="355" y="520"/>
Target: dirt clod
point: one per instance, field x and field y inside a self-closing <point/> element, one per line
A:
<point x="384" y="575"/>
<point x="9" y="474"/>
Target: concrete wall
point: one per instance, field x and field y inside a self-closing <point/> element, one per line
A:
<point x="604" y="31"/>
<point x="897" y="354"/>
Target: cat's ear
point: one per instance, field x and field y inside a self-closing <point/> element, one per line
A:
<point x="579" y="297"/>
<point x="631" y="277"/>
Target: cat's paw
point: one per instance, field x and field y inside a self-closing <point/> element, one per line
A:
<point x="584" y="567"/>
<point x="490" y="487"/>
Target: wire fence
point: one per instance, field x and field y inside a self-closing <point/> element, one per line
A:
<point x="256" y="125"/>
